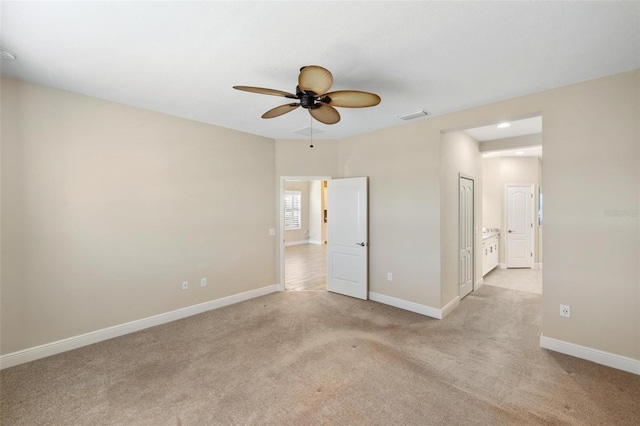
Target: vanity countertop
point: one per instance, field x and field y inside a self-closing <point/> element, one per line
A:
<point x="490" y="232"/>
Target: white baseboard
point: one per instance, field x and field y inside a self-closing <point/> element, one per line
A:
<point x="296" y="243"/>
<point x="599" y="357"/>
<point x="537" y="266"/>
<point x="502" y="265"/>
<point x="478" y="284"/>
<point x="406" y="305"/>
<point x="48" y="349"/>
<point x="450" y="307"/>
<point x="317" y="242"/>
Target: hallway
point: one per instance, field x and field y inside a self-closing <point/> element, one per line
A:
<point x="527" y="280"/>
<point x="305" y="267"/>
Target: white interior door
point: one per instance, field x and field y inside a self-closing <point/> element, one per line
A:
<point x="347" y="242"/>
<point x="466" y="226"/>
<point x="519" y="237"/>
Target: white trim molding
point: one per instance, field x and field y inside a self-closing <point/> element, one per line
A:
<point x="450" y="307"/>
<point x="296" y="243"/>
<point x="502" y="266"/>
<point x="537" y="266"/>
<point x="317" y="242"/>
<point x="408" y="306"/>
<point x="478" y="284"/>
<point x="48" y="349"/>
<point x="599" y="357"/>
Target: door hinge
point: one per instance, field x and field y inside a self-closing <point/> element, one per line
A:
<point x="531" y="254"/>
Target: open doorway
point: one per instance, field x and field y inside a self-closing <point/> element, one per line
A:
<point x="343" y="215"/>
<point x="512" y="164"/>
<point x="304" y="233"/>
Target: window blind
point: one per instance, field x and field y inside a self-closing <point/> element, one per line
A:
<point x="292" y="210"/>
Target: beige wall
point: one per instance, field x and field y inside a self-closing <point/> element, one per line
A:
<point x="459" y="154"/>
<point x="295" y="158"/>
<point x="316" y="221"/>
<point x="404" y="216"/>
<point x="591" y="159"/>
<point x="590" y="143"/>
<point x="511" y="143"/>
<point x="498" y="172"/>
<point x="106" y="209"/>
<point x="492" y="193"/>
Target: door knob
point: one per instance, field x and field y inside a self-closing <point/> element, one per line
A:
<point x="510" y="231"/>
<point x="361" y="244"/>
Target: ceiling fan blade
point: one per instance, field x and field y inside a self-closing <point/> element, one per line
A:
<point x="325" y="114"/>
<point x="264" y="91"/>
<point x="280" y="110"/>
<point x="316" y="79"/>
<point x="353" y="99"/>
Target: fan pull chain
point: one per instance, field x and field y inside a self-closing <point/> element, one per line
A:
<point x="311" y="131"/>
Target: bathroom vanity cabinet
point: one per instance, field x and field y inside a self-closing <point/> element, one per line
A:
<point x="490" y="249"/>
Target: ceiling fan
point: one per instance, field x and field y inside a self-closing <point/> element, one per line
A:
<point x="313" y="83"/>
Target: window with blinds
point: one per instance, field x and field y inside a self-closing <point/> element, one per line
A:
<point x="292" y="210"/>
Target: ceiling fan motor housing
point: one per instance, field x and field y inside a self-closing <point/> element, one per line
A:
<point x="307" y="99"/>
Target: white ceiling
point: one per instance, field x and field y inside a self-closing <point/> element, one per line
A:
<point x="523" y="127"/>
<point x="526" y="126"/>
<point x="183" y="58"/>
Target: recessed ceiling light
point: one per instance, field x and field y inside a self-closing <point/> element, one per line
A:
<point x="7" y="55"/>
<point x="519" y="152"/>
<point x="503" y="125"/>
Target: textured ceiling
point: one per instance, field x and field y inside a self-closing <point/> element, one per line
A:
<point x="183" y="58"/>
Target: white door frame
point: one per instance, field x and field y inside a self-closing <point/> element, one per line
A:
<point x="473" y="232"/>
<point x="280" y="228"/>
<point x="506" y="222"/>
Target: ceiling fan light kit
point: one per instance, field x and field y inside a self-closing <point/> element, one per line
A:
<point x="311" y="92"/>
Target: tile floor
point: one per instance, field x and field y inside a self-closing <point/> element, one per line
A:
<point x="305" y="267"/>
<point x="528" y="280"/>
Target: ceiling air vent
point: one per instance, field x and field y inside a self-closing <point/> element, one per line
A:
<point x="7" y="55"/>
<point x="412" y="115"/>
<point x="306" y="131"/>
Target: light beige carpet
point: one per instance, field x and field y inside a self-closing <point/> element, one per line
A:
<point x="306" y="358"/>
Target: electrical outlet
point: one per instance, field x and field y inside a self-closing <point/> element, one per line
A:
<point x="565" y="311"/>
<point x="185" y="285"/>
<point x="203" y="282"/>
<point x="389" y="276"/>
